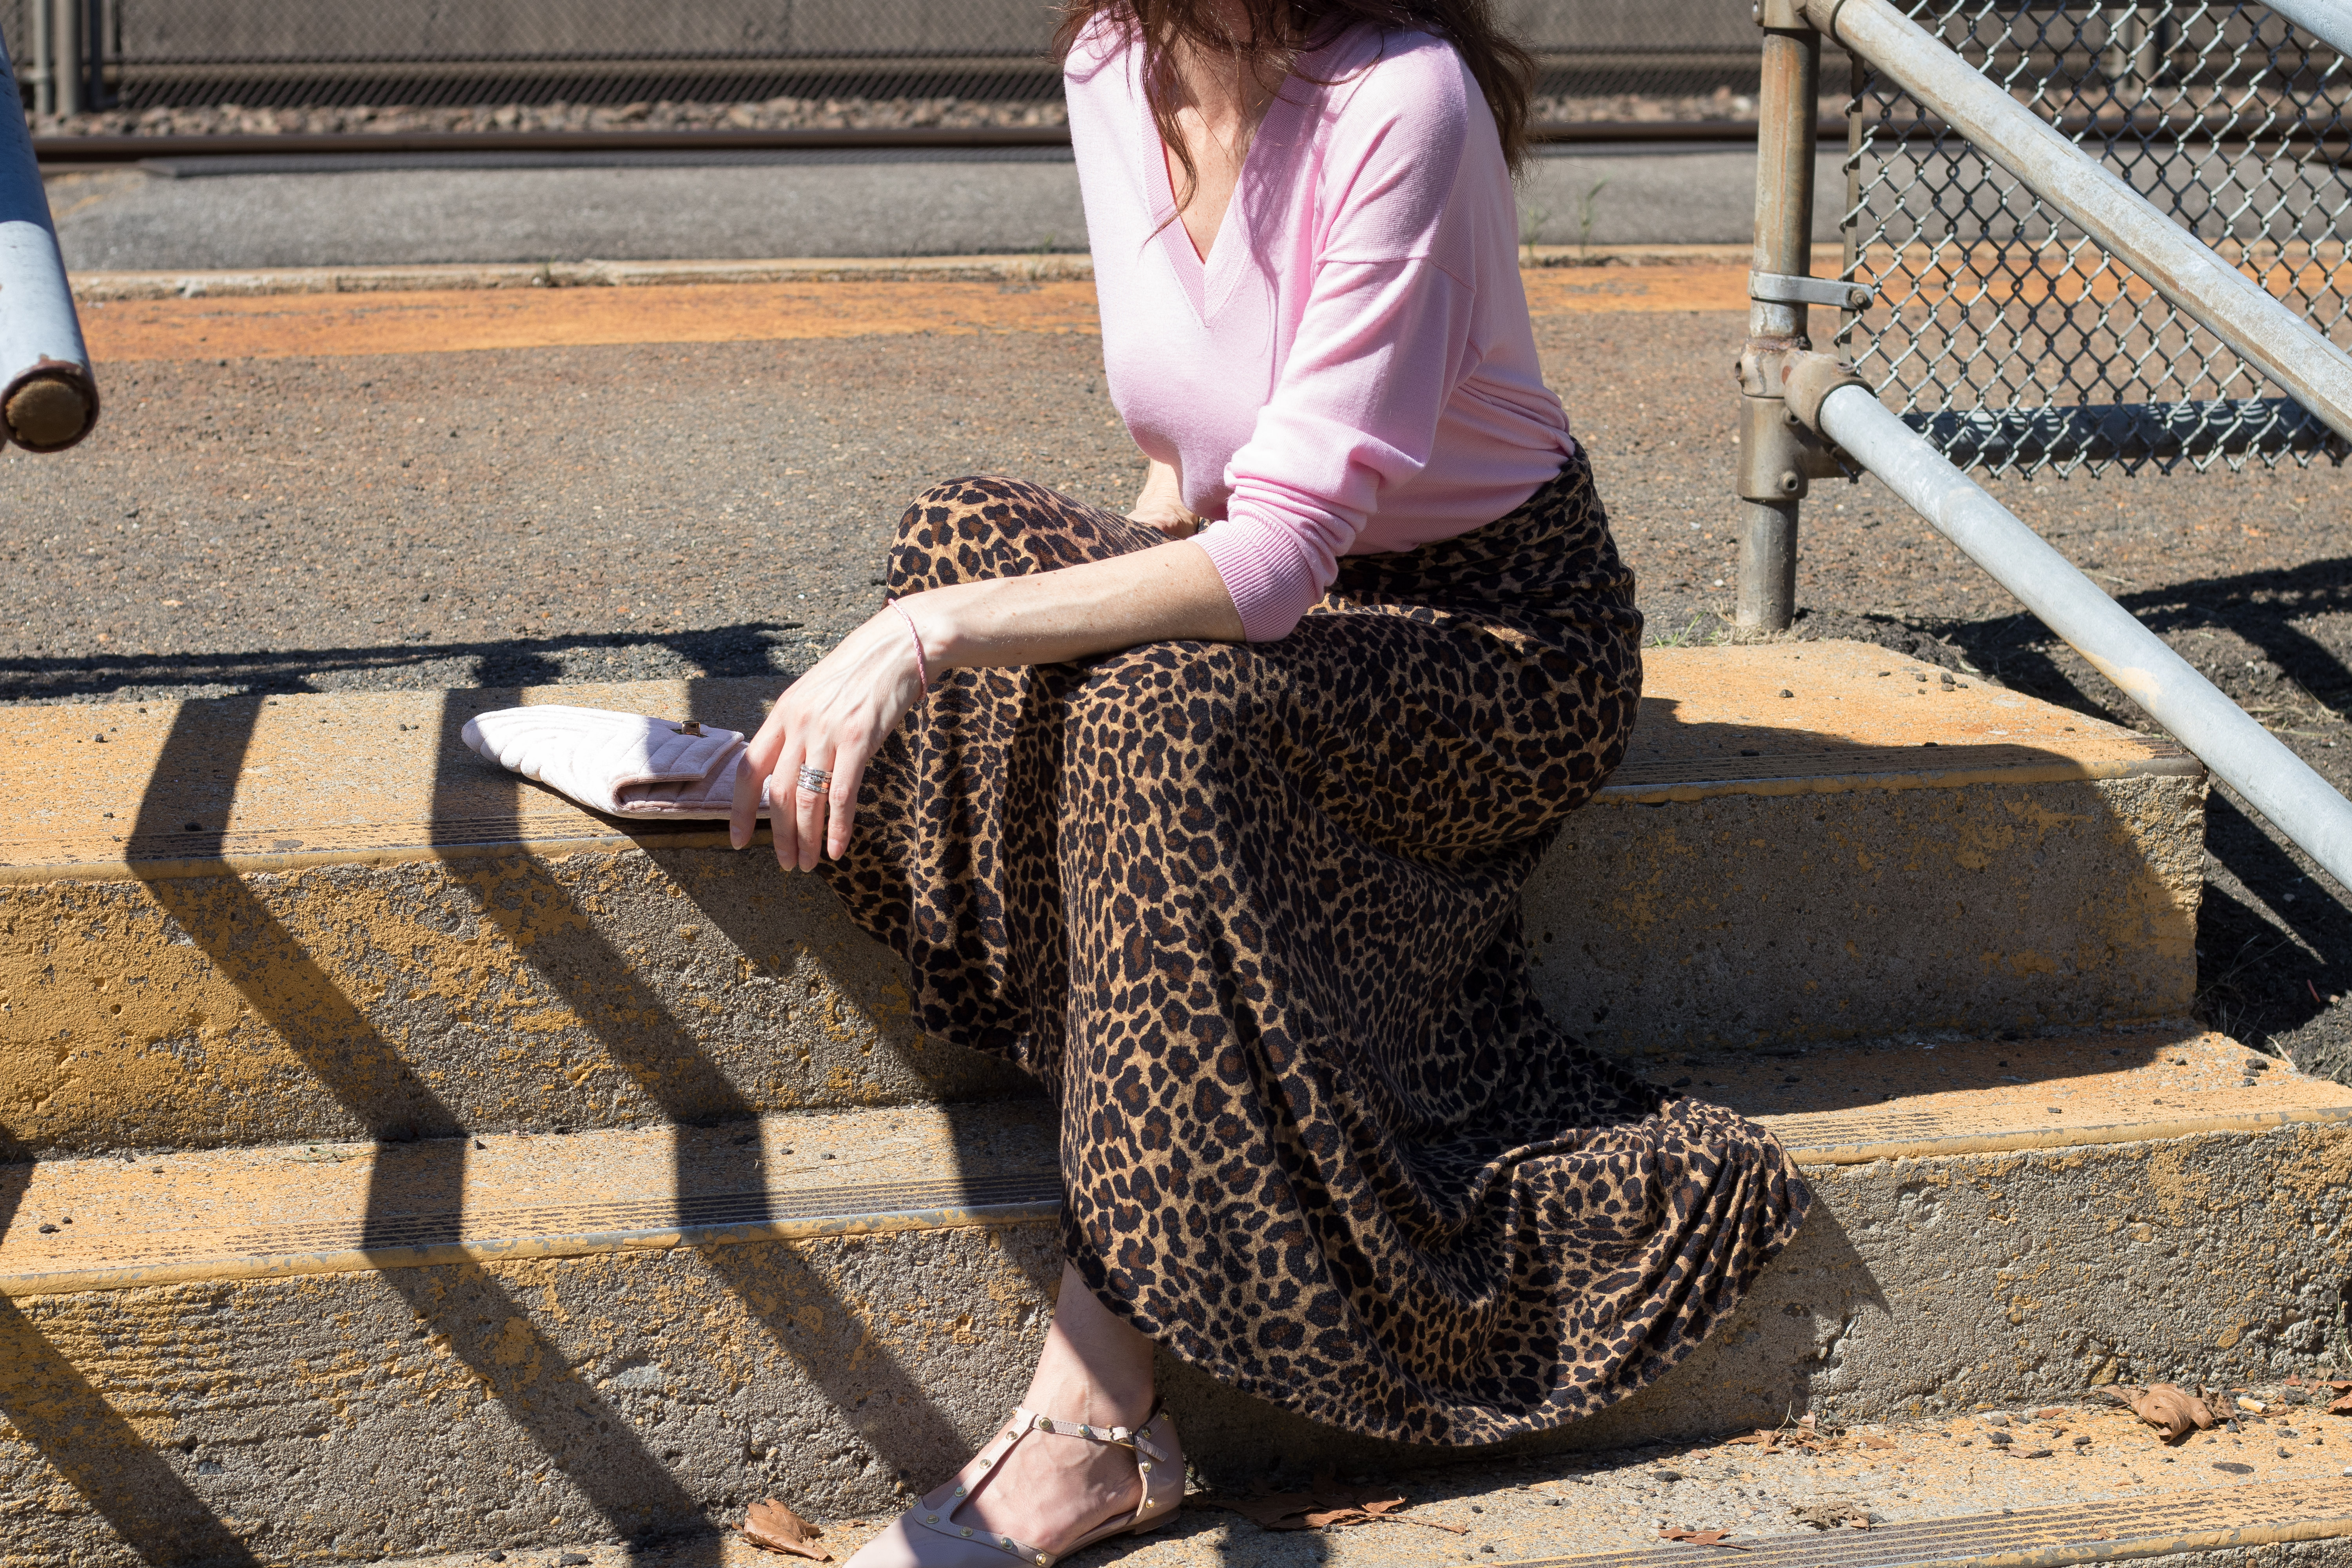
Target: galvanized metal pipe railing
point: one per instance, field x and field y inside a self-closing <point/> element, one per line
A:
<point x="2249" y="758"/>
<point x="2256" y="763"/>
<point x="48" y="399"/>
<point x="2227" y="303"/>
<point x="65" y="54"/>
<point x="2329" y="21"/>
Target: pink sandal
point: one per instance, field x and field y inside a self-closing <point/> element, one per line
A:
<point x="928" y="1536"/>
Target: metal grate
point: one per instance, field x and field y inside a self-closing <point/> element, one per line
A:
<point x="2014" y="343"/>
<point x="266" y="54"/>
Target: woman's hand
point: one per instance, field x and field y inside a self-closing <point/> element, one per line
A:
<point x="1162" y="504"/>
<point x="833" y="719"/>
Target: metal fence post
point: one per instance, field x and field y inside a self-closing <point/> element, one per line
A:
<point x="35" y="72"/>
<point x="1774" y="462"/>
<point x="65" y="54"/>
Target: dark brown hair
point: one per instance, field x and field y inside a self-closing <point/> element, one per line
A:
<point x="1279" y="31"/>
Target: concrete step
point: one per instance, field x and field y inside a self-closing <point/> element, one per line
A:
<point x="516" y="1341"/>
<point x="268" y="920"/>
<point x="1938" y="1494"/>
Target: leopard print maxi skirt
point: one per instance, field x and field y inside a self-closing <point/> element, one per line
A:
<point x="1251" y="913"/>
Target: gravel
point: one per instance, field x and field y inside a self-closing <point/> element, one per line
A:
<point x="763" y="114"/>
<point x="526" y="516"/>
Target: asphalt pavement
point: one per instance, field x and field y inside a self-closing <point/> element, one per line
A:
<point x="390" y="209"/>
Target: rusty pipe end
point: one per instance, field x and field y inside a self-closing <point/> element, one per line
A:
<point x="50" y="409"/>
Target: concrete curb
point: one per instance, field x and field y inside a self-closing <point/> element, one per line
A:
<point x="1031" y="267"/>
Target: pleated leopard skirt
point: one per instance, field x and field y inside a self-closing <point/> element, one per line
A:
<point x="1251" y="913"/>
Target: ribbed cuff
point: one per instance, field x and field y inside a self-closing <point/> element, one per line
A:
<point x="1270" y="577"/>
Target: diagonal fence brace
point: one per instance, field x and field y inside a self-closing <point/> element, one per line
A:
<point x="1827" y="397"/>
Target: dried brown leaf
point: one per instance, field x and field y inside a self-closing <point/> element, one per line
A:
<point x="1700" y="1537"/>
<point x="1325" y="1518"/>
<point x="774" y="1526"/>
<point x="1273" y="1510"/>
<point x="1329" y="1505"/>
<point x="2171" y="1410"/>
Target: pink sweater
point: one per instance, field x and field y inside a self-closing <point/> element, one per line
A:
<point x="1352" y="369"/>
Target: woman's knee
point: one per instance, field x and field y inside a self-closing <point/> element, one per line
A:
<point x="961" y="530"/>
<point x="987" y="525"/>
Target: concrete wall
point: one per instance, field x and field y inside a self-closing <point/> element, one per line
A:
<point x="427" y="29"/>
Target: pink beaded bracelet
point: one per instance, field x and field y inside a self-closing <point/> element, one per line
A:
<point x="922" y="673"/>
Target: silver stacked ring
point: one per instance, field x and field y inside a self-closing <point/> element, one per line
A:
<point x="816" y="781"/>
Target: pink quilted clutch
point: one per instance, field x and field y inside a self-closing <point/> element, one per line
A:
<point x="623" y="764"/>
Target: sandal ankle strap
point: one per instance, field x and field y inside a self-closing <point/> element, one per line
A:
<point x="1136" y="1438"/>
<point x="1163" y="1481"/>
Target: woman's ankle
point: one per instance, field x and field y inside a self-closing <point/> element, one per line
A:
<point x="1094" y="1367"/>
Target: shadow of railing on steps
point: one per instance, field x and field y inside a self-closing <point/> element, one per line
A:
<point x="749" y="648"/>
<point x="483" y="1319"/>
<point x="98" y="1453"/>
<point x="667" y="1062"/>
<point x="481" y="1323"/>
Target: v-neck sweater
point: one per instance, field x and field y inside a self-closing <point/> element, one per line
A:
<point x="1351" y="370"/>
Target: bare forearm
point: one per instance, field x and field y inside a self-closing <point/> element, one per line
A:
<point x="1169" y="592"/>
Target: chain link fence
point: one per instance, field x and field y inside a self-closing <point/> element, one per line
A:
<point x="2013" y="342"/>
<point x="285" y="53"/>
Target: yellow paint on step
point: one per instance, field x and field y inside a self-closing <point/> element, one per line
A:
<point x="248" y="883"/>
<point x="232" y="1214"/>
<point x="244" y="1213"/>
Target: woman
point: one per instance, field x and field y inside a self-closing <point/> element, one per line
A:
<point x="1220" y="831"/>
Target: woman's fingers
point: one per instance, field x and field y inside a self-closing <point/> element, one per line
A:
<point x="752" y="773"/>
<point x="812" y="796"/>
<point x="848" y="773"/>
<point x="811" y="754"/>
<point x="783" y="804"/>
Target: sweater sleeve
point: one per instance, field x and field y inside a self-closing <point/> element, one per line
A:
<point x="1382" y="341"/>
<point x="1379" y="353"/>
